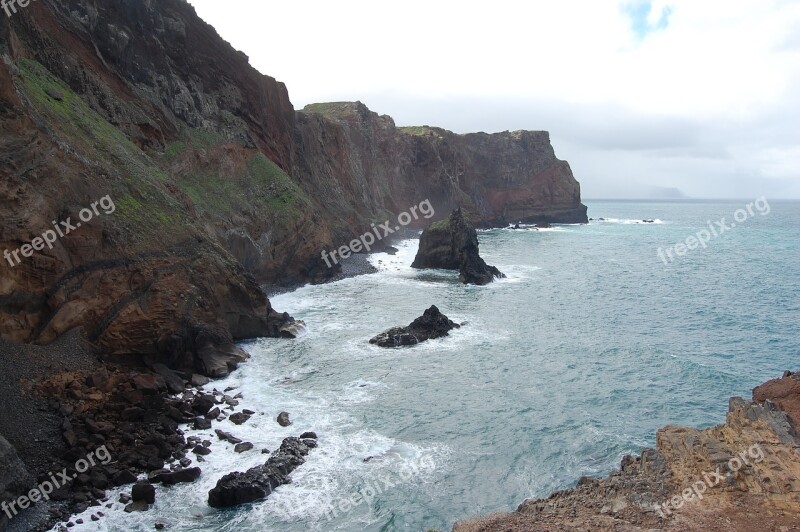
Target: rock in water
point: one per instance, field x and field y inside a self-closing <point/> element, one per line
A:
<point x="452" y="244"/>
<point x="283" y="419"/>
<point x="259" y="482"/>
<point x="432" y="324"/>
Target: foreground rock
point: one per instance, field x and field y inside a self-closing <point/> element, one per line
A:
<point x="432" y="324"/>
<point x="259" y="482"/>
<point x="14" y="478"/>
<point x="452" y="244"/>
<point x="741" y="475"/>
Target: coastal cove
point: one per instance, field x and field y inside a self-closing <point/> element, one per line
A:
<point x="576" y="359"/>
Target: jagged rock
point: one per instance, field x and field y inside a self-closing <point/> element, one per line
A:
<point x="452" y="244"/>
<point x="259" y="482"/>
<point x="432" y="324"/>
<point x="727" y="477"/>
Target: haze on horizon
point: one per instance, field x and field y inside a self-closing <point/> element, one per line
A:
<point x="640" y="96"/>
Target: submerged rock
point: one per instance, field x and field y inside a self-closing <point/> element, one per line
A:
<point x="259" y="482"/>
<point x="452" y="244"/>
<point x="432" y="324"/>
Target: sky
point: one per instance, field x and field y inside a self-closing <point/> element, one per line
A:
<point x="640" y="96"/>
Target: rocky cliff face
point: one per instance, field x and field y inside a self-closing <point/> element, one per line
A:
<point x="740" y="475"/>
<point x="499" y="178"/>
<point x="217" y="183"/>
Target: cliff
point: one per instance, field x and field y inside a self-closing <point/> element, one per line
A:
<point x="740" y="475"/>
<point x="213" y="183"/>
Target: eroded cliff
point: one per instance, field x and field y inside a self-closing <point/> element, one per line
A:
<point x="218" y="184"/>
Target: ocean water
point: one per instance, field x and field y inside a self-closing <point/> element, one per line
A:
<point x="589" y="346"/>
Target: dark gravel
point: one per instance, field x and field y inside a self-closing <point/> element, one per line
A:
<point x="26" y="421"/>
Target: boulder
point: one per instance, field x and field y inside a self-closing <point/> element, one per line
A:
<point x="143" y="492"/>
<point x="180" y="476"/>
<point x="283" y="419"/>
<point x="14" y="478"/>
<point x="239" y="418"/>
<point x="452" y="244"/>
<point x="259" y="482"/>
<point x="243" y="447"/>
<point x="432" y="324"/>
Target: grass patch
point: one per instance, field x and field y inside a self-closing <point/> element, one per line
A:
<point x="332" y="109"/>
<point x="417" y="131"/>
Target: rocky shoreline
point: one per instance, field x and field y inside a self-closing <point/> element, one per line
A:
<point x="741" y="475"/>
<point x="71" y="406"/>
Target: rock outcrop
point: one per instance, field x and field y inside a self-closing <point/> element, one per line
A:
<point x="259" y="482"/>
<point x="452" y="244"/>
<point x="741" y="475"/>
<point x="432" y="324"/>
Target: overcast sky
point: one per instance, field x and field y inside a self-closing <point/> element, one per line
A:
<point x="699" y="95"/>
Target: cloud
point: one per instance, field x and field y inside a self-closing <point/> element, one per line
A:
<point x="647" y="17"/>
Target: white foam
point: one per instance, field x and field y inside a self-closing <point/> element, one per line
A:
<point x="623" y="221"/>
<point x="330" y="475"/>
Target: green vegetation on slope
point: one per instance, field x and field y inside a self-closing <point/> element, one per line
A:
<point x="134" y="181"/>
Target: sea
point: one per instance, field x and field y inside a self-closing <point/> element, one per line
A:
<point x="596" y="338"/>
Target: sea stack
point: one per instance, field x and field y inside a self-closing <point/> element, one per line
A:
<point x="452" y="244"/>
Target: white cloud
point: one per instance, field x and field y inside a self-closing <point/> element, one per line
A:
<point x="730" y="69"/>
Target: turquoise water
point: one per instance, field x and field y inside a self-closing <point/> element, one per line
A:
<point x="589" y="346"/>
